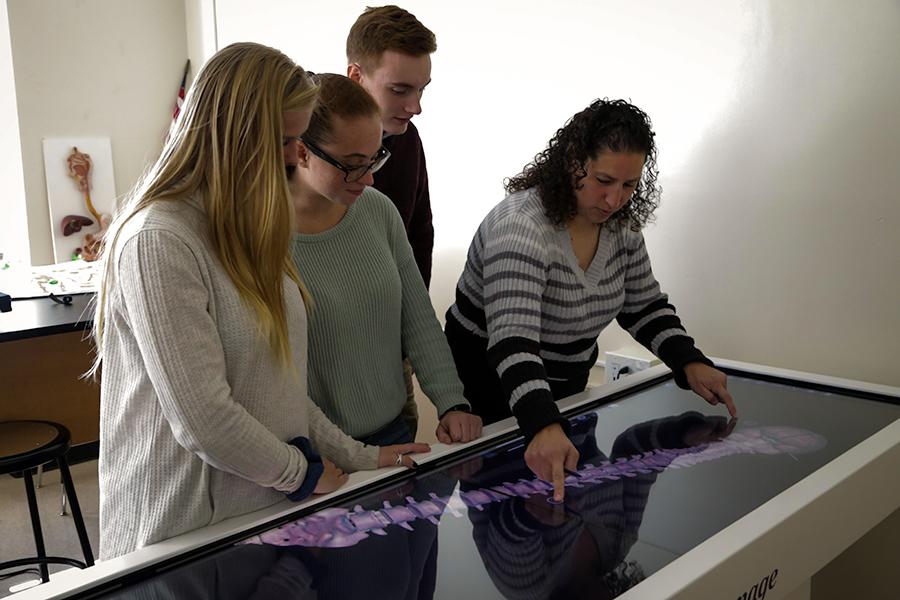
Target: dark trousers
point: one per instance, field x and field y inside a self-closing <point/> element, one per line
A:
<point x="395" y="432"/>
<point x="481" y="384"/>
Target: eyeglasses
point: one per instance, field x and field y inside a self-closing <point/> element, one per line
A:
<point x="291" y="138"/>
<point x="351" y="174"/>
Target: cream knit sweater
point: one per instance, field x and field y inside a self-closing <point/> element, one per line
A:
<point x="195" y="412"/>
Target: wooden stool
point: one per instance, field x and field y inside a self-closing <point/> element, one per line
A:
<point x="25" y="445"/>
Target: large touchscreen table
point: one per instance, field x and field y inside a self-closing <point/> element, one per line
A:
<point x="660" y="472"/>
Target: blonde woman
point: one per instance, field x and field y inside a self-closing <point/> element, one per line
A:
<point x="201" y="321"/>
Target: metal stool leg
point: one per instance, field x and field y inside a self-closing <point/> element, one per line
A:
<point x="62" y="498"/>
<point x="36" y="523"/>
<point x="69" y="486"/>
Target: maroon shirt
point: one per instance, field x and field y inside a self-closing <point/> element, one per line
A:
<point x="404" y="179"/>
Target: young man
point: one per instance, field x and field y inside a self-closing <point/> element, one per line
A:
<point x="389" y="54"/>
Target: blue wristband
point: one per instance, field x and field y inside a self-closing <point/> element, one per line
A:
<point x="314" y="469"/>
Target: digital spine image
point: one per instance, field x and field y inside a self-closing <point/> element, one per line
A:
<point x="341" y="528"/>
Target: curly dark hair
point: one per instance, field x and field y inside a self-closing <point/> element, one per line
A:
<point x="613" y="125"/>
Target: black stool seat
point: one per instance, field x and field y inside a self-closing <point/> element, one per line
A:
<point x="25" y="445"/>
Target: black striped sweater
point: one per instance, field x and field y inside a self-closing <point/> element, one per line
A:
<point x="523" y="291"/>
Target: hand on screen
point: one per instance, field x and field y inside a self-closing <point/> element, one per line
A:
<point x="549" y="454"/>
<point x="551" y="515"/>
<point x="332" y="478"/>
<point x="458" y="426"/>
<point x="396" y="455"/>
<point x="710" y="384"/>
<point x="711" y="429"/>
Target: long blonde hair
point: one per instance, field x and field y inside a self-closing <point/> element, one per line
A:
<point x="226" y="149"/>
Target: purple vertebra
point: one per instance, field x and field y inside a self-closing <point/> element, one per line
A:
<point x="341" y="528"/>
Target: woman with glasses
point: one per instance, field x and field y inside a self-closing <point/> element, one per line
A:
<point x="201" y="321"/>
<point x="370" y="304"/>
<point x="551" y="266"/>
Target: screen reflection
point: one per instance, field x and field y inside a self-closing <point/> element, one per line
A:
<point x="387" y="545"/>
<point x="532" y="548"/>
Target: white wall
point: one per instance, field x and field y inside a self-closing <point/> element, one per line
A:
<point x="93" y="68"/>
<point x="14" y="224"/>
<point x="779" y="142"/>
<point x="780" y="238"/>
<point x="200" y="24"/>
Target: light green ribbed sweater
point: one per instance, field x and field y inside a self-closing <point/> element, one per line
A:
<point x="370" y="307"/>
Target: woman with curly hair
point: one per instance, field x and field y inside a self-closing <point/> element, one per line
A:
<point x="551" y="266"/>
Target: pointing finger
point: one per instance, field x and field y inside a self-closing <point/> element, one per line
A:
<point x="559" y="483"/>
